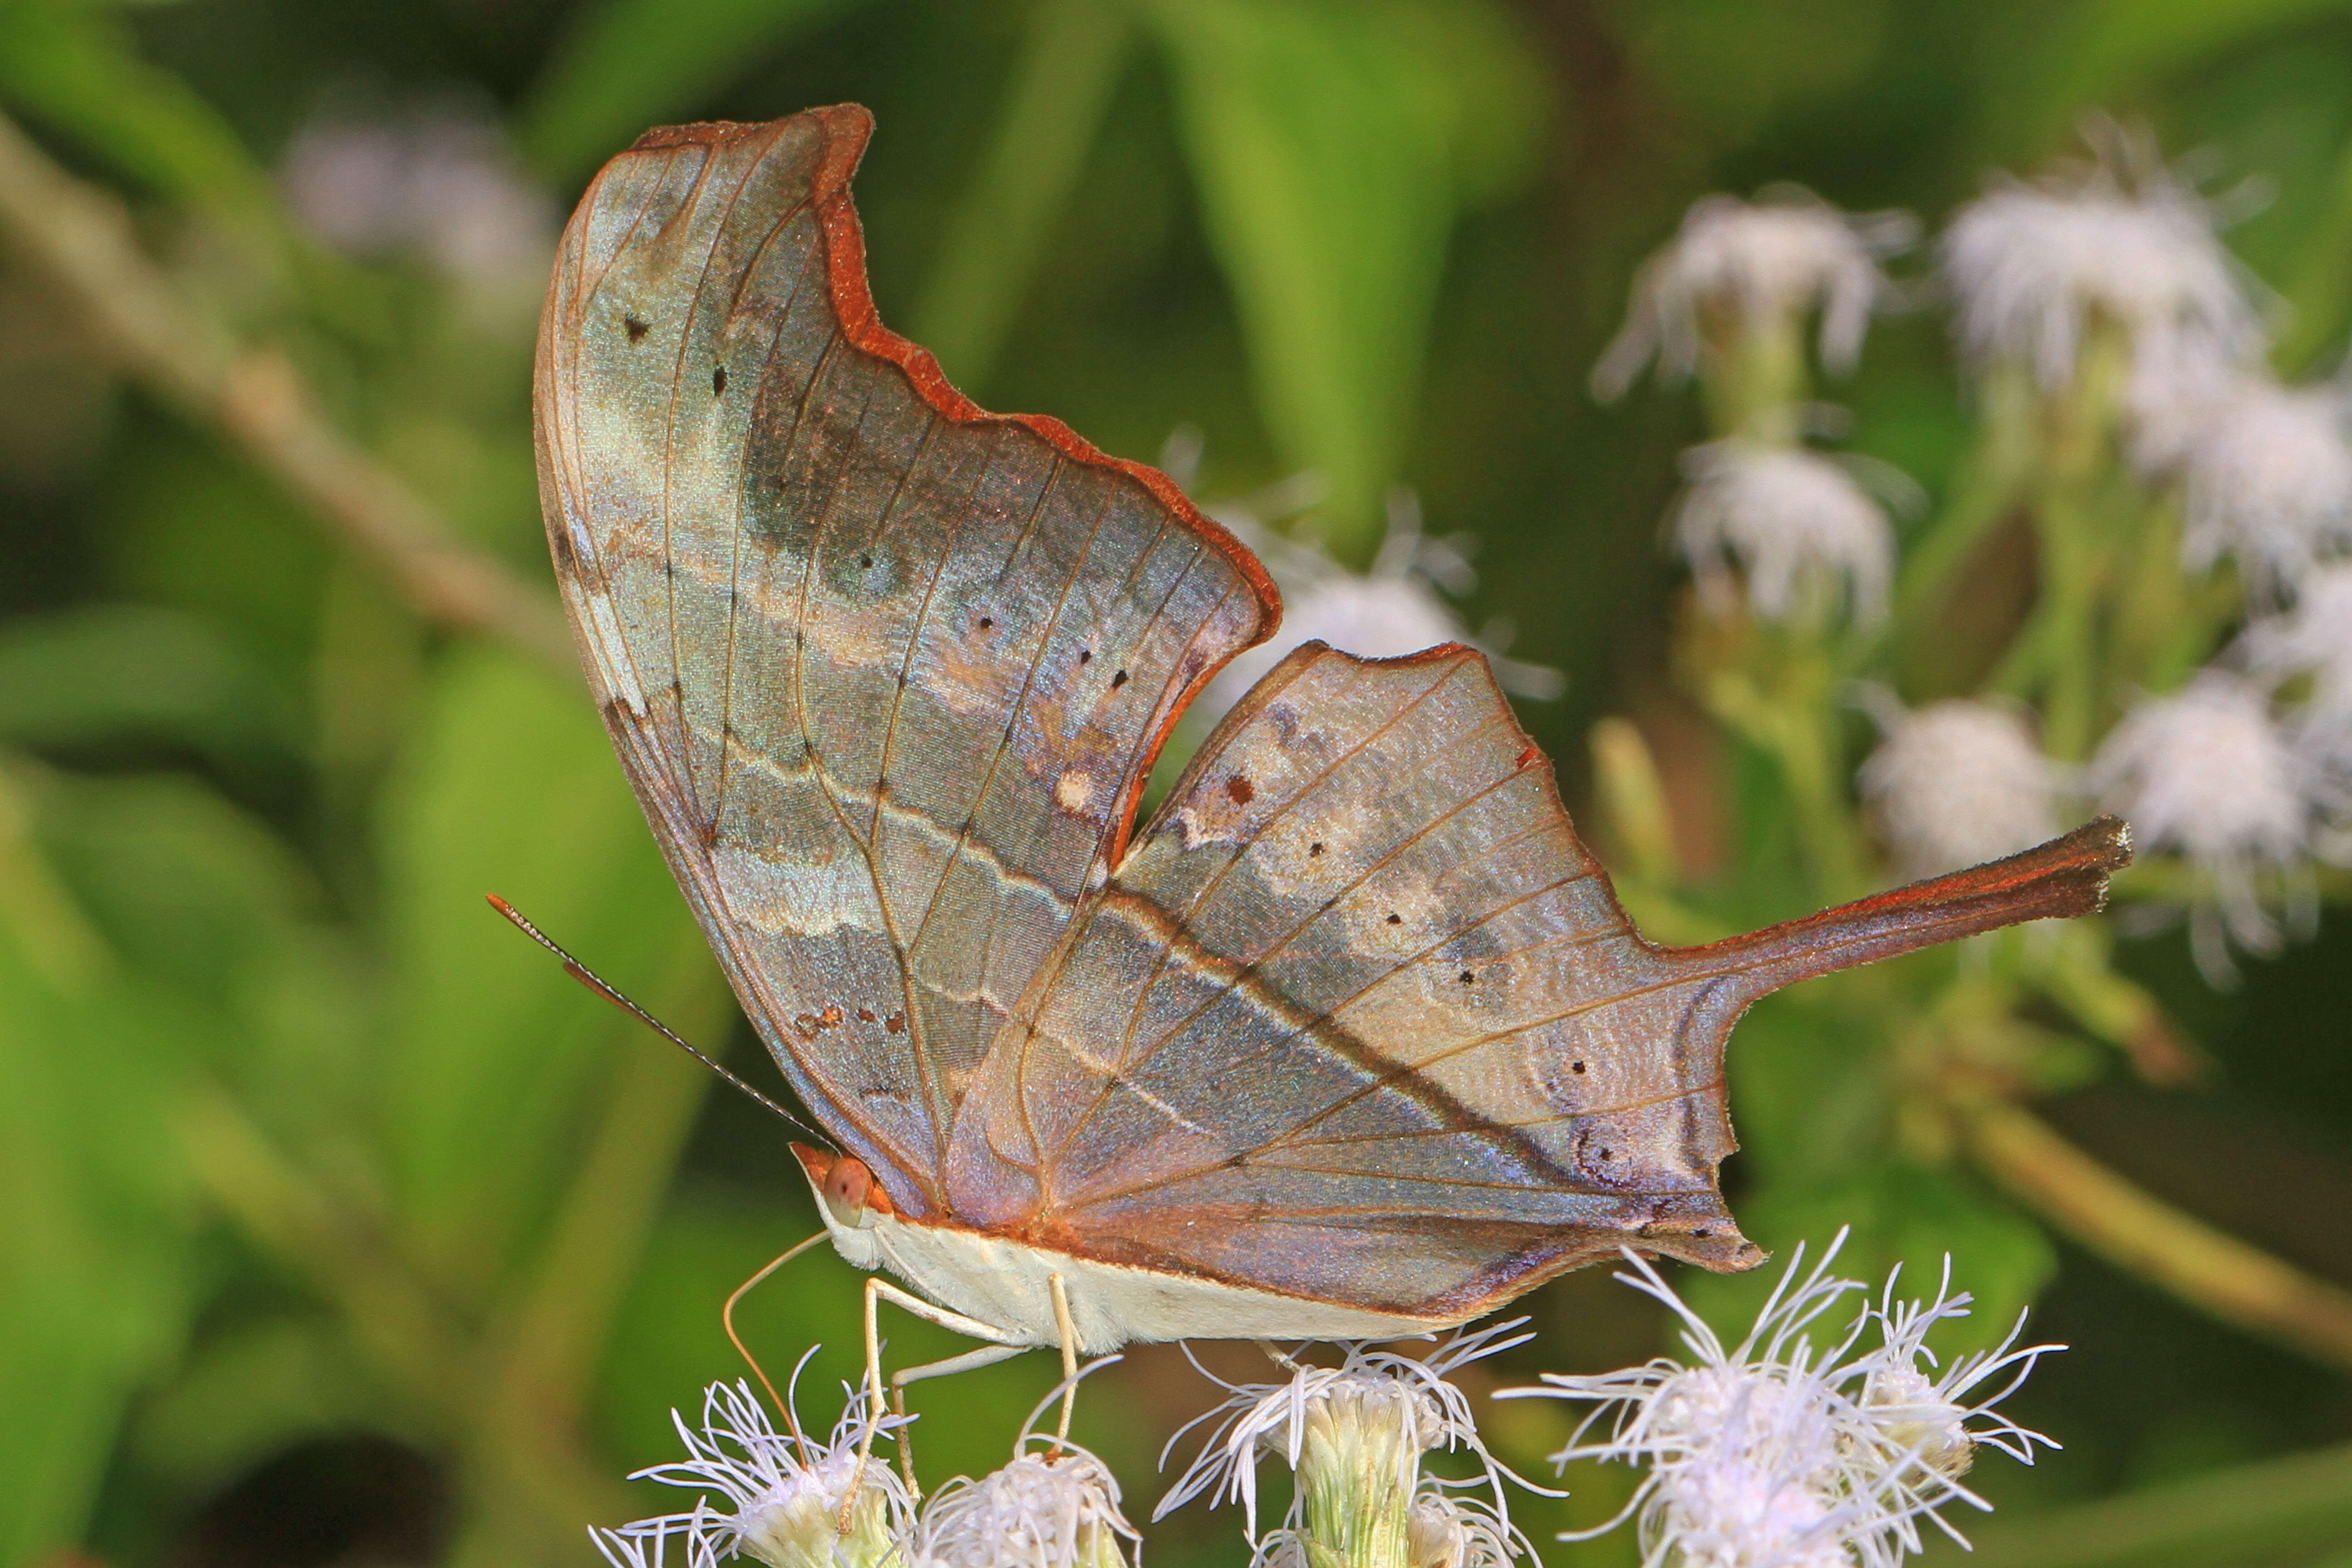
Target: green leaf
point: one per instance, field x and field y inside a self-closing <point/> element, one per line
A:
<point x="512" y="788"/>
<point x="2091" y="53"/>
<point x="95" y="1289"/>
<point x="1333" y="145"/>
<point x="76" y="66"/>
<point x="1060" y="89"/>
<point x="108" y="674"/>
<point x="248" y="1392"/>
<point x="626" y="66"/>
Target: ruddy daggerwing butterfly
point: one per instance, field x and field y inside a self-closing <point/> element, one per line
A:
<point x="1352" y="1040"/>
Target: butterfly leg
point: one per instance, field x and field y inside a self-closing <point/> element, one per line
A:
<point x="1002" y="1345"/>
<point x="1069" y="1332"/>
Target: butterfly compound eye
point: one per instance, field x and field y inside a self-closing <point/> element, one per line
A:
<point x="847" y="1187"/>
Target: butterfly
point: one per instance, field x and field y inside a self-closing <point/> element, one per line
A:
<point x="1351" y="1040"/>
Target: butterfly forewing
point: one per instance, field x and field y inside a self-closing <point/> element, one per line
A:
<point x="1357" y="1017"/>
<point x="886" y="672"/>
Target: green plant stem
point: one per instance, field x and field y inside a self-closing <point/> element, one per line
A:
<point x="1755" y="379"/>
<point x="559" y="1328"/>
<point x="2272" y="1512"/>
<point x="2209" y="1270"/>
<point x="1995" y="475"/>
<point x="79" y="240"/>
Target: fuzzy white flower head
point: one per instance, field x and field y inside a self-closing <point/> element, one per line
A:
<point x="2265" y="472"/>
<point x="1773" y="1455"/>
<point x="1058" y="1508"/>
<point x="433" y="179"/>
<point x="783" y="1493"/>
<point x="1366" y="1421"/>
<point x="1788" y="517"/>
<point x="1775" y="257"/>
<point x="1393" y="609"/>
<point x="2313" y="637"/>
<point x="2124" y="240"/>
<point x="2206" y="773"/>
<point x="1957" y="784"/>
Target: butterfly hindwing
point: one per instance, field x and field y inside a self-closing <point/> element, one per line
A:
<point x="886" y="672"/>
<point x="1358" y="1018"/>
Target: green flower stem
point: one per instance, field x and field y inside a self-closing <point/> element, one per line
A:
<point x="2209" y="1269"/>
<point x="1995" y="475"/>
<point x="1791" y="715"/>
<point x="2058" y="654"/>
<point x="2277" y="1510"/>
<point x="1753" y="376"/>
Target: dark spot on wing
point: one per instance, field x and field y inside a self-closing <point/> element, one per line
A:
<point x="865" y="1014"/>
<point x="636" y="326"/>
<point x="718" y="380"/>
<point x="986" y="622"/>
<point x="867" y="561"/>
<point x="896" y="1023"/>
<point x="1576" y="1067"/>
<point x="1467" y="977"/>
<point x="1119" y="680"/>
<point x="1241" y="789"/>
<point x="1396" y="920"/>
<point x="1313" y="850"/>
<point x="1086" y="656"/>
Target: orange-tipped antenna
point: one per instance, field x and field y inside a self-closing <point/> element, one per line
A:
<point x="588" y="977"/>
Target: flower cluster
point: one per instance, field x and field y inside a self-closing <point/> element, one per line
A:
<point x="2123" y="245"/>
<point x="1756" y="265"/>
<point x="784" y="1498"/>
<point x="433" y="180"/>
<point x="1397" y="607"/>
<point x="1355" y="1436"/>
<point x="2105" y="303"/>
<point x="1774" y="1453"/>
<point x="1957" y="784"/>
<point x="784" y="1493"/>
<point x="1738" y="281"/>
<point x="1768" y="1455"/>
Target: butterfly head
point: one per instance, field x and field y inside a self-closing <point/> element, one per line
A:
<point x="852" y="1202"/>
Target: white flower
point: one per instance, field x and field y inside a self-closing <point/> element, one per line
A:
<point x="1443" y="1531"/>
<point x="2315" y="638"/>
<point x="1355" y="1435"/>
<point x="783" y="1493"/>
<point x="2207" y="773"/>
<point x="2124" y="240"/>
<point x="1957" y="784"/>
<point x="1774" y="1454"/>
<point x="433" y="180"/>
<point x="1052" y="1509"/>
<point x="1393" y="609"/>
<point x="1754" y="262"/>
<point x="1786" y="515"/>
<point x="2266" y="470"/>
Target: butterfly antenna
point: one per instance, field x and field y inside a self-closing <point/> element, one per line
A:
<point x="591" y="979"/>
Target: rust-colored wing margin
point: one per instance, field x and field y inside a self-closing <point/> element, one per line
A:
<point x="887" y="672"/>
<point x="1359" y="1018"/>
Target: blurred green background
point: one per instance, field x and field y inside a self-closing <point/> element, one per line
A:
<point x="336" y="1226"/>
